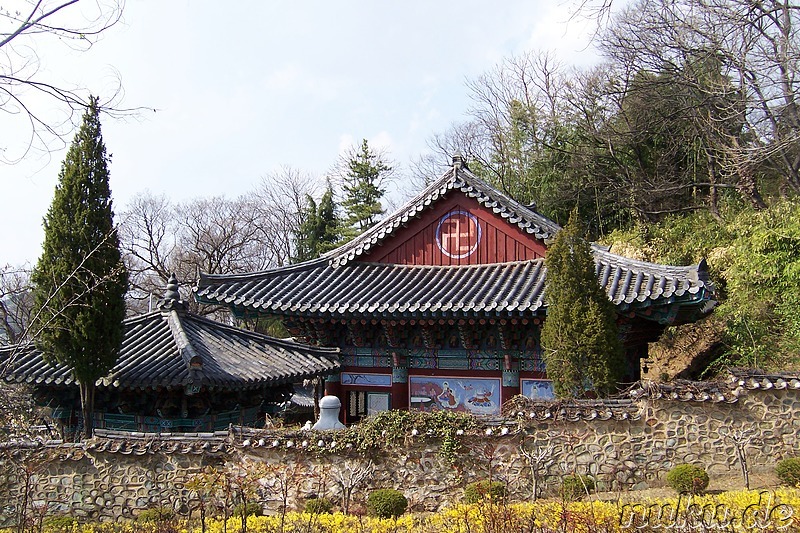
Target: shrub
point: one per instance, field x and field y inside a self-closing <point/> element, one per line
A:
<point x="686" y="478"/>
<point x="574" y="487"/>
<point x="156" y="514"/>
<point x="60" y="523"/>
<point x="386" y="503"/>
<point x="478" y="490"/>
<point x="318" y="506"/>
<point x="788" y="471"/>
<point x="250" y="509"/>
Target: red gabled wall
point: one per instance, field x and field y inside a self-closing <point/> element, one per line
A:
<point x="454" y="219"/>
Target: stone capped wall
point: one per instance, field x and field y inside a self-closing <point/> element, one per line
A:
<point x="624" y="444"/>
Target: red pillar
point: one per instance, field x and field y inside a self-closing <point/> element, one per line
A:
<point x="510" y="385"/>
<point x="399" y="387"/>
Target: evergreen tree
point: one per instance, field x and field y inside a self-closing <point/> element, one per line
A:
<point x="364" y="176"/>
<point x="80" y="280"/>
<point x="319" y="231"/>
<point x="581" y="345"/>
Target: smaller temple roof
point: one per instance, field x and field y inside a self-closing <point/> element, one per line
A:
<point x="173" y="348"/>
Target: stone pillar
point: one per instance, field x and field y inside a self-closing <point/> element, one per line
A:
<point x="333" y="387"/>
<point x="329" y="408"/>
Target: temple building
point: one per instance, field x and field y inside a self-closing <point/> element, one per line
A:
<point x="439" y="306"/>
<point x="177" y="371"/>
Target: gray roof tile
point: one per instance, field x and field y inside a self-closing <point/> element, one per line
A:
<point x="338" y="285"/>
<point x="159" y="347"/>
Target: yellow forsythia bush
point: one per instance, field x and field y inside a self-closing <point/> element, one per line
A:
<point x="774" y="510"/>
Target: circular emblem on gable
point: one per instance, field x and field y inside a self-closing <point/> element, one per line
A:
<point x="458" y="234"/>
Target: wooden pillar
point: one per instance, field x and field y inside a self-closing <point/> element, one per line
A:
<point x="511" y="385"/>
<point x="399" y="382"/>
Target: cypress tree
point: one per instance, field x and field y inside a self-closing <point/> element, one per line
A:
<point x="319" y="232"/>
<point x="581" y="343"/>
<point x="80" y="280"/>
<point x="362" y="189"/>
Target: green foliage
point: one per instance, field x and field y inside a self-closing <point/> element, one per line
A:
<point x="574" y="487"/>
<point x="156" y="514"/>
<point x="60" y="523"/>
<point x="485" y="489"/>
<point x="318" y="506"/>
<point x="686" y="478"/>
<point x="80" y="280"/>
<point x="754" y="262"/>
<point x="248" y="509"/>
<point x="320" y="230"/>
<point x="386" y="503"/>
<point x="788" y="471"/>
<point x="580" y="339"/>
<point x="363" y="189"/>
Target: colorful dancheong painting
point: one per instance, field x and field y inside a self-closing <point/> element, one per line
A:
<point x="474" y="395"/>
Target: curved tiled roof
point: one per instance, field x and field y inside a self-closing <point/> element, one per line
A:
<point x="337" y="285"/>
<point x="173" y="348"/>
<point x="458" y="178"/>
<point x="628" y="281"/>
<point x="523" y="408"/>
<point x="378" y="289"/>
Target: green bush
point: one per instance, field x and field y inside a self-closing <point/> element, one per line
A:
<point x="386" y="503"/>
<point x="686" y="478"/>
<point x="250" y="509"/>
<point x="318" y="506"/>
<point x="479" y="490"/>
<point x="156" y="514"/>
<point x="788" y="471"/>
<point x="60" y="523"/>
<point x="574" y="487"/>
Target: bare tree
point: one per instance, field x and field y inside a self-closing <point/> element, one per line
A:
<point x="148" y="242"/>
<point x="212" y="235"/>
<point x="24" y="86"/>
<point x="736" y="64"/>
<point x="280" y="201"/>
<point x="16" y="303"/>
<point x="349" y="476"/>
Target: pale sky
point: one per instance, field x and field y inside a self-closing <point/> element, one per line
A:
<point x="242" y="89"/>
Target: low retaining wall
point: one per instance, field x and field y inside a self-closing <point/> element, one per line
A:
<point x="625" y="444"/>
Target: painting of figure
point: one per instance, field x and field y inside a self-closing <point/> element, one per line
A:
<point x="477" y="396"/>
<point x="538" y="389"/>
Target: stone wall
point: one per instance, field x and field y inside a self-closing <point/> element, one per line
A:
<point x="628" y="444"/>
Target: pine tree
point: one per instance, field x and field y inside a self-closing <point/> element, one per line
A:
<point x="320" y="230"/>
<point x="365" y="173"/>
<point x="581" y="344"/>
<point x="80" y="280"/>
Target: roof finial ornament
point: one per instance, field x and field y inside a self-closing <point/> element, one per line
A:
<point x="458" y="161"/>
<point x="172" y="298"/>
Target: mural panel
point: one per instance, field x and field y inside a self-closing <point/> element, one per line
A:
<point x="538" y="389"/>
<point x="477" y="396"/>
<point x="367" y="380"/>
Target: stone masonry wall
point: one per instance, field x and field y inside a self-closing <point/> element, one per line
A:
<point x="112" y="478"/>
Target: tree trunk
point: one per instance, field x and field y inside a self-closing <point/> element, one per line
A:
<point x="87" y="408"/>
<point x="713" y="197"/>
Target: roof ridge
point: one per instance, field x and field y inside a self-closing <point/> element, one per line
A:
<point x="305" y="265"/>
<point x="185" y="348"/>
<point x="440" y="267"/>
<point x="258" y="335"/>
<point x="601" y="251"/>
<point x="457" y="177"/>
